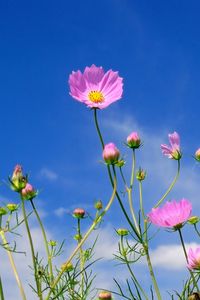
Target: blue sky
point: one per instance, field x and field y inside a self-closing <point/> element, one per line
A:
<point x="155" y="47"/>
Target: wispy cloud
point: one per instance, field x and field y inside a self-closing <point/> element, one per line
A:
<point x="48" y="174"/>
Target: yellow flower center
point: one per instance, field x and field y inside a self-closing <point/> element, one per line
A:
<point x="96" y="96"/>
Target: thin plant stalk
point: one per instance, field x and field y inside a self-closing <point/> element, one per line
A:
<point x="19" y="283"/>
<point x="92" y="227"/>
<point x="185" y="253"/>
<point x="130" y="270"/>
<point x="111" y="179"/>
<point x="81" y="258"/>
<point x="171" y="185"/>
<point x="32" y="250"/>
<point x="1" y="290"/>
<point x="49" y="256"/>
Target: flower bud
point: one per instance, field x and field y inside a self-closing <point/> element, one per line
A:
<point x="67" y="267"/>
<point x="98" y="205"/>
<point x="3" y="211"/>
<point x="194" y="296"/>
<point x="120" y="163"/>
<point x="193" y="220"/>
<point x="18" y="180"/>
<point x="105" y="295"/>
<point x="28" y="192"/>
<point x="133" y="140"/>
<point x="122" y="231"/>
<point x="52" y="243"/>
<point x="12" y="207"/>
<point x="141" y="174"/>
<point x="78" y="237"/>
<point x="197" y="155"/>
<point x="79" y="213"/>
<point x="111" y="154"/>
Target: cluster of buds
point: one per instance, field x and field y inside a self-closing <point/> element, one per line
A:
<point x="104" y="295"/>
<point x="9" y="208"/>
<point x="19" y="183"/>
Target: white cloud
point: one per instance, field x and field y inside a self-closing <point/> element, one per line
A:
<point x="48" y="174"/>
<point x="60" y="211"/>
<point x="170" y="257"/>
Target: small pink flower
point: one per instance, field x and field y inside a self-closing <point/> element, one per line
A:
<point x="105" y="296"/>
<point x="193" y="256"/>
<point x="173" y="151"/>
<point x="96" y="88"/>
<point x="111" y="154"/>
<point x="28" y="192"/>
<point x="133" y="140"/>
<point x="18" y="180"/>
<point x="172" y="214"/>
<point x="197" y="155"/>
<point x="79" y="213"/>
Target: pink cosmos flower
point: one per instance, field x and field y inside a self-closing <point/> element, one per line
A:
<point x="173" y="151"/>
<point x="96" y="88"/>
<point x="193" y="256"/>
<point x="111" y="153"/>
<point x="171" y="214"/>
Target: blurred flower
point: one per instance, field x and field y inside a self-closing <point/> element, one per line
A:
<point x="98" y="204"/>
<point x="67" y="267"/>
<point x="78" y="213"/>
<point x="105" y="295"/>
<point x="18" y="180"/>
<point x="28" y="192"/>
<point x="173" y="151"/>
<point x="12" y="207"/>
<point x="194" y="296"/>
<point x="111" y="154"/>
<point x="94" y="87"/>
<point x="133" y="140"/>
<point x="3" y="211"/>
<point x="193" y="220"/>
<point x="197" y="155"/>
<point x="193" y="256"/>
<point x="172" y="214"/>
<point x="122" y="231"/>
<point x="52" y="243"/>
<point x="141" y="174"/>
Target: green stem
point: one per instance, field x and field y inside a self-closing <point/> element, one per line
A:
<point x="13" y="266"/>
<point x="1" y="290"/>
<point x="49" y="256"/>
<point x="133" y="170"/>
<point x="111" y="179"/>
<point x="130" y="270"/>
<point x="32" y="250"/>
<point x="81" y="258"/>
<point x="170" y="187"/>
<point x="92" y="227"/>
<point x="153" y="278"/>
<point x="185" y="253"/>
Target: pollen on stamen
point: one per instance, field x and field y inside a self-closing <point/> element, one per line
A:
<point x="96" y="97"/>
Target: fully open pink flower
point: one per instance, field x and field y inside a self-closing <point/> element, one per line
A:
<point x="96" y="88"/>
<point x="171" y="214"/>
<point x="173" y="151"/>
<point x="194" y="258"/>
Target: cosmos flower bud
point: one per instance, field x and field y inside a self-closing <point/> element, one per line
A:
<point x="105" y="295"/>
<point x="12" y="207"/>
<point x="79" y="213"/>
<point x="111" y="154"/>
<point x="3" y="211"/>
<point x="141" y="174"/>
<point x="122" y="231"/>
<point x="193" y="220"/>
<point x="197" y="155"/>
<point x="78" y="237"/>
<point x="98" y="205"/>
<point x="67" y="267"/>
<point x="194" y="296"/>
<point x="18" y="180"/>
<point x="28" y="192"/>
<point x="52" y="243"/>
<point x="133" y="140"/>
